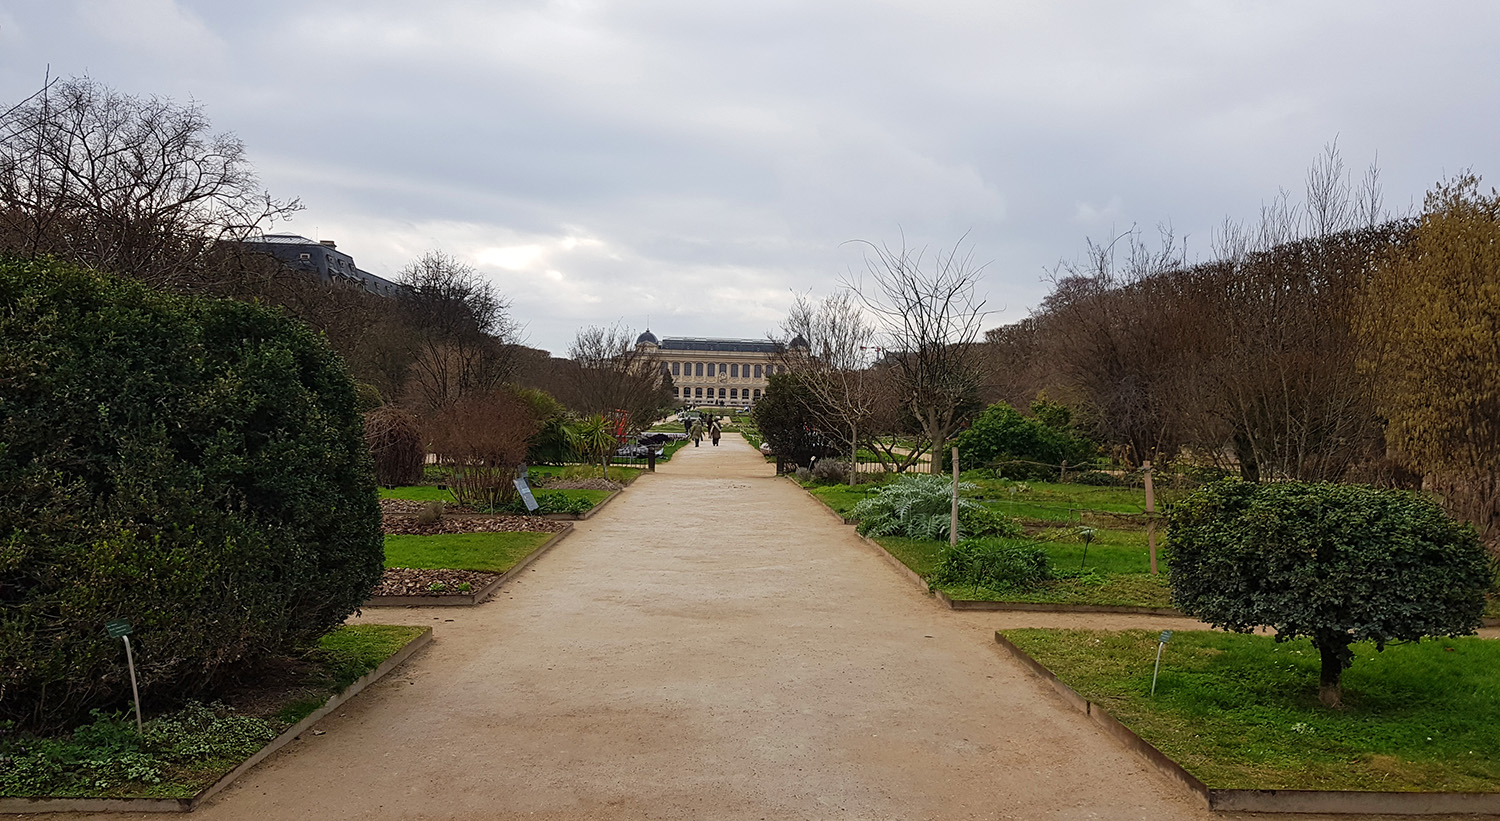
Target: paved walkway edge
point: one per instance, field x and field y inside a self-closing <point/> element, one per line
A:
<point x="37" y="805"/>
<point x="1333" y="802"/>
<point x="478" y="596"/>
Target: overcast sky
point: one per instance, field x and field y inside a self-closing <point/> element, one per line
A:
<point x="696" y="162"/>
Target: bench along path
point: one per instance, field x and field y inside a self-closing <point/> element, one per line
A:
<point x="713" y="645"/>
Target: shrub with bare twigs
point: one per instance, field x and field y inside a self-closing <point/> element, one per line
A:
<point x="396" y="444"/>
<point x="482" y="439"/>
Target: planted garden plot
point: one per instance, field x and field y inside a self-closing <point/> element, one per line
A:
<point x="1093" y="539"/>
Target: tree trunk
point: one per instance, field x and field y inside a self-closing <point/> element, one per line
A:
<point x="1335" y="655"/>
<point x="1245" y="453"/>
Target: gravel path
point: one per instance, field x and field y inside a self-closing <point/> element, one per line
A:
<point x="711" y="646"/>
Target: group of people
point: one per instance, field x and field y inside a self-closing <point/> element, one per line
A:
<point x="694" y="427"/>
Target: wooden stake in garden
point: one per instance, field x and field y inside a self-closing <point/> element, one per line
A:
<point x="1150" y="513"/>
<point x="953" y="526"/>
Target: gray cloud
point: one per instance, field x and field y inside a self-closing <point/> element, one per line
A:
<point x="698" y="162"/>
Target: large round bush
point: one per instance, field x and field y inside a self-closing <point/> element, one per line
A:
<point x="197" y="467"/>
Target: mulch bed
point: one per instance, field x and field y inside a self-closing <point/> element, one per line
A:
<point x="409" y="526"/>
<point x="402" y="581"/>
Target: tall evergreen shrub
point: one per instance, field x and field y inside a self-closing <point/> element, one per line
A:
<point x="197" y="467"/>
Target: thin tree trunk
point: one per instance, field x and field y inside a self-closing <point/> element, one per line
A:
<point x="1334" y="654"/>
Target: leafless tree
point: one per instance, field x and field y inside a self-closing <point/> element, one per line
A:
<point x="611" y="373"/>
<point x="462" y="334"/>
<point x="840" y="343"/>
<point x="932" y="321"/>
<point x="137" y="186"/>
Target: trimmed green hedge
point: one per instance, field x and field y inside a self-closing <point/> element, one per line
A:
<point x="195" y="466"/>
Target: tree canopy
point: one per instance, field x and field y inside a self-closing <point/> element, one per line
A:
<point x="1335" y="563"/>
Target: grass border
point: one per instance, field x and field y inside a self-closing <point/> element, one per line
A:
<point x="37" y="805"/>
<point x="478" y="596"/>
<point x="1333" y="802"/>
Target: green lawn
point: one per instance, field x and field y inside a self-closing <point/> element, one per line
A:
<point x="489" y="552"/>
<point x="1067" y="503"/>
<point x="428" y="493"/>
<point x="417" y="493"/>
<point x="1241" y="712"/>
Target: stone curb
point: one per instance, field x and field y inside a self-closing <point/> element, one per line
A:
<point x="38" y="805"/>
<point x="478" y="596"/>
<point x="1333" y="802"/>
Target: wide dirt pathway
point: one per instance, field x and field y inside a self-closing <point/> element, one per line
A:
<point x="712" y="645"/>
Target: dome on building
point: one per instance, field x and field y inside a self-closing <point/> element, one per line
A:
<point x="798" y="342"/>
<point x="647" y="338"/>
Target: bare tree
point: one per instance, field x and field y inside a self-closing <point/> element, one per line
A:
<point x="612" y="373"/>
<point x="932" y="321"/>
<point x="137" y="186"/>
<point x="838" y="341"/>
<point x="462" y="335"/>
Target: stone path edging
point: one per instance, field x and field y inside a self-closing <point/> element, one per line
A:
<point x="478" y="596"/>
<point x="37" y="805"/>
<point x="1335" y="802"/>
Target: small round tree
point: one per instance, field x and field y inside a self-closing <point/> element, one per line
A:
<point x="195" y="466"/>
<point x="1335" y="563"/>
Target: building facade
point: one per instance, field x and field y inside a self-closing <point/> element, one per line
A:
<point x="321" y="257"/>
<point x="729" y="372"/>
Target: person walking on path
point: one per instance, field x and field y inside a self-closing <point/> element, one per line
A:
<point x="697" y="431"/>
<point x="687" y="425"/>
<point x="714" y="432"/>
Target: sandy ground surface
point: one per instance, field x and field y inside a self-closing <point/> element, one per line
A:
<point x="713" y="645"/>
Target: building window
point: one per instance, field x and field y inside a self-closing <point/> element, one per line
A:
<point x="721" y="393"/>
<point x="734" y="371"/>
<point x="698" y="369"/>
<point x="757" y="393"/>
<point x="723" y="369"/>
<point x="734" y="393"/>
<point x="757" y="374"/>
<point x="698" y="392"/>
<point x="676" y="368"/>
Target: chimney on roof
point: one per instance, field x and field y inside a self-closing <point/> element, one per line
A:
<point x="330" y="243"/>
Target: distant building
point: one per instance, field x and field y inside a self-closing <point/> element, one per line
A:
<point x="716" y="371"/>
<point x="323" y="258"/>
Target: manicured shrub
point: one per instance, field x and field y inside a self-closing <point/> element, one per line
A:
<point x="1002" y="434"/>
<point x="396" y="446"/>
<point x="1335" y="563"/>
<point x="919" y="506"/>
<point x="197" y="467"/>
<point x="995" y="565"/>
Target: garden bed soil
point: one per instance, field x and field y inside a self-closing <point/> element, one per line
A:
<point x="407" y="581"/>
<point x="1332" y="802"/>
<point x="243" y="697"/>
<point x="397" y="525"/>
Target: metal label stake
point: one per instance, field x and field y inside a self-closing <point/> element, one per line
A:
<point x="1166" y="636"/>
<point x="120" y="629"/>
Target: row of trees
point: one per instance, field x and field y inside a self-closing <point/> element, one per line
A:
<point x="1330" y="343"/>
